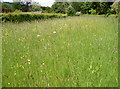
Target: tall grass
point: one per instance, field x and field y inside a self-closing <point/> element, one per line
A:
<point x="69" y="52"/>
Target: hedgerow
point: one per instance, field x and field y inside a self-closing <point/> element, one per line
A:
<point x="20" y="17"/>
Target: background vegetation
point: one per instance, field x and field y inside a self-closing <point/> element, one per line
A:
<point x="20" y="17"/>
<point x="66" y="7"/>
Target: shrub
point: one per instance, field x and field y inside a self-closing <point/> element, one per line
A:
<point x="92" y="11"/>
<point x="20" y="17"/>
<point x="17" y="11"/>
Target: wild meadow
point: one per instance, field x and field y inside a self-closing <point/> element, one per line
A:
<point x="67" y="52"/>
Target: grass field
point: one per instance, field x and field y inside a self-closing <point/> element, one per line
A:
<point x="67" y="52"/>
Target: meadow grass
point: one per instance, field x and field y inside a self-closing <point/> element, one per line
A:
<point x="67" y="52"/>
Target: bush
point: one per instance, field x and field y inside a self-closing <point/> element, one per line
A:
<point x="20" y="17"/>
<point x="92" y="11"/>
<point x="17" y="11"/>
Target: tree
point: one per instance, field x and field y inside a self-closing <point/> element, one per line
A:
<point x="0" y="7"/>
<point x="36" y="8"/>
<point x="105" y="8"/>
<point x="60" y="7"/>
<point x="16" y="6"/>
<point x="80" y="6"/>
<point x="85" y="7"/>
<point x="46" y="9"/>
<point x="70" y="11"/>
<point x="76" y="6"/>
<point x="7" y="6"/>
<point x="116" y="6"/>
<point x="92" y="11"/>
<point x="25" y="4"/>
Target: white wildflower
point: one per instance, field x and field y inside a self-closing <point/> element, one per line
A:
<point x="54" y="32"/>
<point x="38" y="35"/>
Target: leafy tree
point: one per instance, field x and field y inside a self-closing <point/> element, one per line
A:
<point x="92" y="11"/>
<point x="105" y="7"/>
<point x="77" y="6"/>
<point x="25" y="4"/>
<point x="5" y="6"/>
<point x="85" y="7"/>
<point x="0" y="4"/>
<point x="46" y="9"/>
<point x="95" y="6"/>
<point x="116" y="6"/>
<point x="16" y="6"/>
<point x="35" y="8"/>
<point x="70" y="11"/>
<point x="60" y="7"/>
<point x="18" y="11"/>
<point x="66" y="7"/>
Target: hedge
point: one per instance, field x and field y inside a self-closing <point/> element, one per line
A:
<point x="20" y="17"/>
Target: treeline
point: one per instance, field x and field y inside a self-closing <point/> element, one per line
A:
<point x="23" y="7"/>
<point x="84" y="7"/>
<point x="70" y="8"/>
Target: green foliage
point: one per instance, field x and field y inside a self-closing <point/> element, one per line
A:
<point x="35" y="8"/>
<point x="16" y="6"/>
<point x="116" y="6"/>
<point x="76" y="6"/>
<point x="17" y="11"/>
<point x="105" y="8"/>
<point x="108" y="12"/>
<point x="20" y="17"/>
<point x="85" y="7"/>
<point x="70" y="11"/>
<point x="92" y="11"/>
<point x="21" y="5"/>
<point x="60" y="7"/>
<point x="6" y="6"/>
<point x="46" y="9"/>
<point x="113" y="11"/>
<point x="100" y="7"/>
